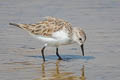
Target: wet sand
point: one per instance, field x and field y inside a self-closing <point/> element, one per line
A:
<point x="20" y="57"/>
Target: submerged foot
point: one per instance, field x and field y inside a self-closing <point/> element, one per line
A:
<point x="60" y="58"/>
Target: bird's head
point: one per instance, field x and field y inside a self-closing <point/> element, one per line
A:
<point x="79" y="37"/>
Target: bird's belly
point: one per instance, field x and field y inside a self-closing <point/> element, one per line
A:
<point x="60" y="42"/>
<point x="53" y="41"/>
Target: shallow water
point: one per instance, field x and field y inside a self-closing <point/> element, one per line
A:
<point x="20" y="57"/>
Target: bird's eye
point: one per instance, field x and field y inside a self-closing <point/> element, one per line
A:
<point x="80" y="39"/>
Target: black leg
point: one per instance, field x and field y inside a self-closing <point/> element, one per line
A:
<point x="59" y="58"/>
<point x="42" y="51"/>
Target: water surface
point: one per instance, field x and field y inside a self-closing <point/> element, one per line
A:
<point x="20" y="57"/>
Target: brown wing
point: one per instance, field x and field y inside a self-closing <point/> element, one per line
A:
<point x="48" y="26"/>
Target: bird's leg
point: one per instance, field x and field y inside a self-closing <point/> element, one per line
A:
<point x="59" y="58"/>
<point x="42" y="51"/>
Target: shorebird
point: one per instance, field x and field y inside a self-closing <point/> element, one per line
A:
<point x="55" y="32"/>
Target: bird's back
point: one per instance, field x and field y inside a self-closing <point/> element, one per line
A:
<point x="46" y="27"/>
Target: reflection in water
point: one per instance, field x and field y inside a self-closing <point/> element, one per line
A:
<point x="43" y="71"/>
<point x="82" y="77"/>
<point x="56" y="74"/>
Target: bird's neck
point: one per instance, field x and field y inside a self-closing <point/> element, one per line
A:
<point x="74" y="36"/>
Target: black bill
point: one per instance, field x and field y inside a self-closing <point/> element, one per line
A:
<point x="82" y="48"/>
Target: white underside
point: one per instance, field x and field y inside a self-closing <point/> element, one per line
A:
<point x="58" y="38"/>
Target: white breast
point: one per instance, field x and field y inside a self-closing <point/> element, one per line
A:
<point x="57" y="38"/>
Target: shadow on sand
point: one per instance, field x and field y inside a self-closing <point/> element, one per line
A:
<point x="66" y="57"/>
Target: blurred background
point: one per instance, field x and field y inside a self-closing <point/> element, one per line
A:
<point x="20" y="56"/>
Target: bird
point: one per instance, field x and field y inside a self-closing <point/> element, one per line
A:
<point x="54" y="32"/>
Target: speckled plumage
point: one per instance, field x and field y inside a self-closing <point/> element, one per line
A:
<point x="55" y="32"/>
<point x="47" y="26"/>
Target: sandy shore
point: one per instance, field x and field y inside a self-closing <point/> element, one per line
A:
<point x="20" y="57"/>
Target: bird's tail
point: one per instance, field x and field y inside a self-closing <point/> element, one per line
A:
<point x="14" y="24"/>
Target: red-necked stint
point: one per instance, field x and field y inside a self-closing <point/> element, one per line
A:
<point x="55" y="32"/>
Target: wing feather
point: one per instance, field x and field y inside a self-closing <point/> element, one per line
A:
<point x="48" y="26"/>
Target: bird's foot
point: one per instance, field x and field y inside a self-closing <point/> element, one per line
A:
<point x="60" y="58"/>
